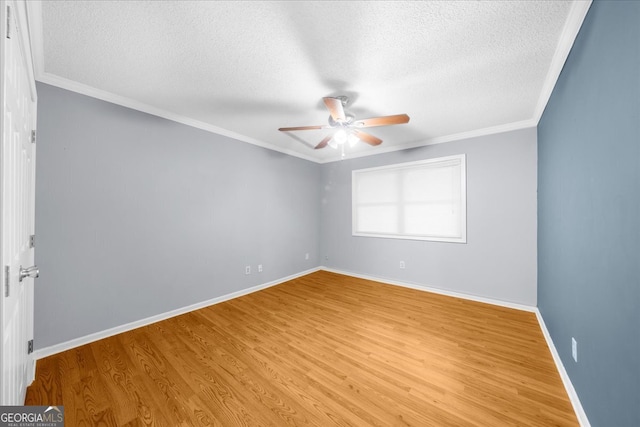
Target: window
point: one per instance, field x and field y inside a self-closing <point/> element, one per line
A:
<point x="423" y="200"/>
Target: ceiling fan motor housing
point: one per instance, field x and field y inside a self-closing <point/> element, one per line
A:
<point x="349" y="118"/>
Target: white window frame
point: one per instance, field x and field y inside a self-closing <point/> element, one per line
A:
<point x="400" y="168"/>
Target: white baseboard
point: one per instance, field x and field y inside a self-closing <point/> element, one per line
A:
<point x="461" y="295"/>
<point x="31" y="369"/>
<point x="77" y="342"/>
<point x="573" y="396"/>
<point x="571" y="392"/>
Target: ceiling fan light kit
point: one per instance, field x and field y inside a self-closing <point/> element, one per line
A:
<point x="345" y="128"/>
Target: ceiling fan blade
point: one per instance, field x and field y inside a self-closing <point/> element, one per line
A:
<point x="396" y="119"/>
<point x="303" y="128"/>
<point x="324" y="142"/>
<point x="335" y="108"/>
<point x="366" y="137"/>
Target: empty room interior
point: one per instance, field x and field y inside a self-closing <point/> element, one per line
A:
<point x="330" y="213"/>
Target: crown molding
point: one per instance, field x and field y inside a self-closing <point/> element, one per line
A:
<point x="572" y="26"/>
<point x="508" y="127"/>
<point x="159" y="112"/>
<point x="145" y="108"/>
<point x="34" y="12"/>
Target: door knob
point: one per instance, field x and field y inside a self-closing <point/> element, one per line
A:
<point x="32" y="272"/>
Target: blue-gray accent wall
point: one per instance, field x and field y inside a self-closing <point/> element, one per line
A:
<point x="589" y="214"/>
<point x="138" y="215"/>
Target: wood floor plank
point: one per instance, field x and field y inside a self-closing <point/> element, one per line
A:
<point x="320" y="350"/>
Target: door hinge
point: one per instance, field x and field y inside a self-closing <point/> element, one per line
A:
<point x="32" y="241"/>
<point x="30" y="347"/>
<point x="6" y="280"/>
<point x="8" y="21"/>
<point x="33" y="136"/>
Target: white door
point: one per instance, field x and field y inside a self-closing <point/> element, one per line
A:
<point x="17" y="191"/>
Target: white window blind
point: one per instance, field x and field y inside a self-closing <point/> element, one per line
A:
<point x="423" y="200"/>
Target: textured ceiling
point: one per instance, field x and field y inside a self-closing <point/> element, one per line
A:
<point x="244" y="69"/>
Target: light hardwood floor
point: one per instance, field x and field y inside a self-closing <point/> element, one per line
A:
<point x="321" y="350"/>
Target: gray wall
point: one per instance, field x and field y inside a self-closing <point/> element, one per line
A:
<point x="589" y="214"/>
<point x="137" y="215"/>
<point x="499" y="259"/>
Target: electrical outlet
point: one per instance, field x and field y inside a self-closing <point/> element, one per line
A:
<point x="259" y="268"/>
<point x="306" y="256"/>
<point x="247" y="269"/>
<point x="574" y="349"/>
<point x="401" y="264"/>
